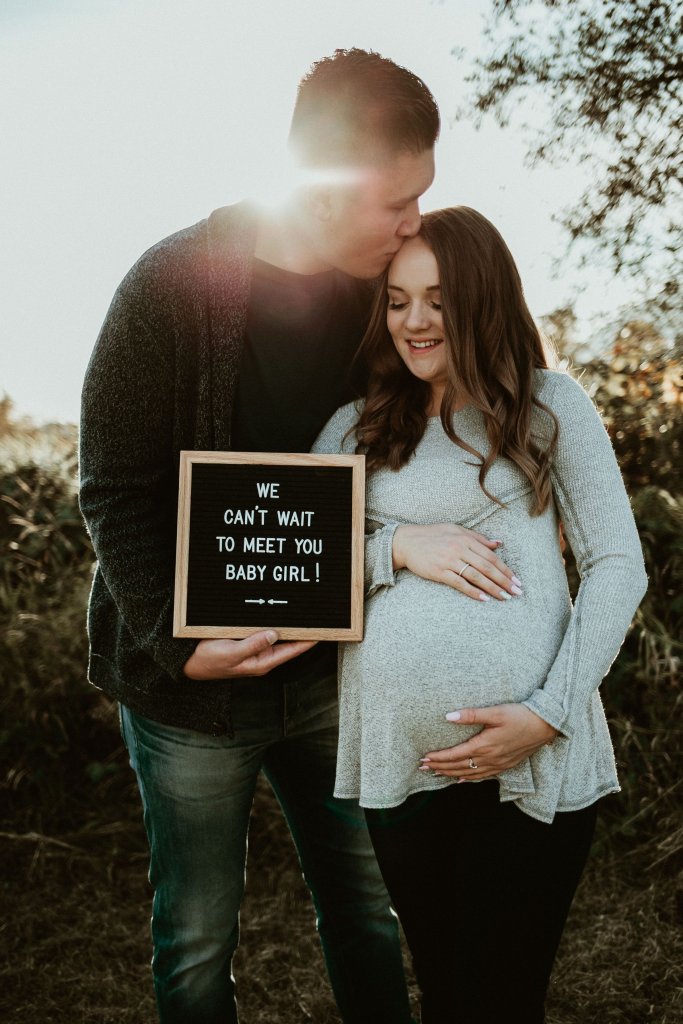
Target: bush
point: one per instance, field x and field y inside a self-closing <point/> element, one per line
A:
<point x="52" y="727"/>
<point x="638" y="387"/>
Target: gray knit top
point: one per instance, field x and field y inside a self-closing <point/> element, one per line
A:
<point x="428" y="650"/>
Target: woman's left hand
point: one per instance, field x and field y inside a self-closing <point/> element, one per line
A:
<point x="511" y="733"/>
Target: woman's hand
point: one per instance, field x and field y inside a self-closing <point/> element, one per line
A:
<point x="511" y="733"/>
<point x="460" y="558"/>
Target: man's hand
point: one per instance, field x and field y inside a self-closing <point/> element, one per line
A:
<point x="255" y="656"/>
<point x="460" y="558"/>
<point x="511" y="733"/>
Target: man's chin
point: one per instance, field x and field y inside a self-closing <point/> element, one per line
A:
<point x="369" y="271"/>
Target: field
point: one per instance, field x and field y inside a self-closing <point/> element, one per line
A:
<point x="75" y="930"/>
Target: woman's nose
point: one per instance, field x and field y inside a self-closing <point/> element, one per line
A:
<point x="417" y="318"/>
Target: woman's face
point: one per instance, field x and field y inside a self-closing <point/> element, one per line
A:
<point x="414" y="314"/>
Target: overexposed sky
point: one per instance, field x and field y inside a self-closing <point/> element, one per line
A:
<point x="124" y="120"/>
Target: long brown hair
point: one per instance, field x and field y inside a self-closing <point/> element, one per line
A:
<point x="492" y="349"/>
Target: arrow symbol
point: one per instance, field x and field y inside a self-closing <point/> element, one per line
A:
<point x="254" y="600"/>
<point x="271" y="600"/>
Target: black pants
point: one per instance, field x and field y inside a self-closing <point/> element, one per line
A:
<point x="482" y="891"/>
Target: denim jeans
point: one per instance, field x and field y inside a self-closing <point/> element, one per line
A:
<point x="197" y="792"/>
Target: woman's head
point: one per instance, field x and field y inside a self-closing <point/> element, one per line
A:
<point x="487" y="331"/>
<point x="450" y="326"/>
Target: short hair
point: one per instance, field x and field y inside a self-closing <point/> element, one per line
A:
<point x="356" y="103"/>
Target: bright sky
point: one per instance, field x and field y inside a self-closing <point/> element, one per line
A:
<point x="124" y="120"/>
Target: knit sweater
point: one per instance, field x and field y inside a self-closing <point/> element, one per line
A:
<point x="428" y="649"/>
<point x="161" y="379"/>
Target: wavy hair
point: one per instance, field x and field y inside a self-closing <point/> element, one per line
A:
<point x="492" y="349"/>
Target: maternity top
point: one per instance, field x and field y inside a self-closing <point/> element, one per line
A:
<point x="428" y="649"/>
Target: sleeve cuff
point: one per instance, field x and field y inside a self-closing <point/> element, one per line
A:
<point x="379" y="559"/>
<point x="547" y="708"/>
<point x="173" y="655"/>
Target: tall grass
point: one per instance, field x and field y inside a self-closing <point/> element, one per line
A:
<point x="52" y="732"/>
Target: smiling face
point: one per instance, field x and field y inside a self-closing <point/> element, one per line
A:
<point x="361" y="226"/>
<point x="414" y="316"/>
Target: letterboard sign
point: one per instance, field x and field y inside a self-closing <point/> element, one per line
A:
<point x="270" y="541"/>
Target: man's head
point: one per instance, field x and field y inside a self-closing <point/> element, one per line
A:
<point x="363" y="131"/>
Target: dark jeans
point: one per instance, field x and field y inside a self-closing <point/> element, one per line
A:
<point x="197" y="792"/>
<point x="482" y="891"/>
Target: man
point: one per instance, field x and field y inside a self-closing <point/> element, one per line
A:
<point x="237" y="333"/>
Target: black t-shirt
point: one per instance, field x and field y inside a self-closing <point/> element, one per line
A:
<point x="302" y="334"/>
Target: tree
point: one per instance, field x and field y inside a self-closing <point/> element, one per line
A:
<point x="610" y="74"/>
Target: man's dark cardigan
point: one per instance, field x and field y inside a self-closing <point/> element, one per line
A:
<point x="161" y="379"/>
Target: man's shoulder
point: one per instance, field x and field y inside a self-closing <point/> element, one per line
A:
<point x="185" y="254"/>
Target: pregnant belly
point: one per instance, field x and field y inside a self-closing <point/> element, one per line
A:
<point x="427" y="646"/>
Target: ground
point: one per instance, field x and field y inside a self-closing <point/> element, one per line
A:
<point x="75" y="932"/>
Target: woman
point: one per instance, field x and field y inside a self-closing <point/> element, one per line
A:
<point x="464" y="422"/>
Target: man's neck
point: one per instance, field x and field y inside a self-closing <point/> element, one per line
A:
<point x="281" y="242"/>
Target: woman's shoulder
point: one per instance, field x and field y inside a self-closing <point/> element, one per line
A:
<point x="332" y="438"/>
<point x="560" y="391"/>
<point x="573" y="409"/>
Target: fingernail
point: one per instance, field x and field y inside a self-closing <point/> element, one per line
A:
<point x="496" y="541"/>
<point x="484" y="597"/>
<point x="517" y="590"/>
<point x="424" y="768"/>
<point x="425" y="760"/>
<point x="271" y="637"/>
<point x="453" y="716"/>
<point x="504" y="594"/>
<point x="517" y="582"/>
<point x="460" y="780"/>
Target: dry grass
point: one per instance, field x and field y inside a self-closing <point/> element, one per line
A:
<point x="75" y="932"/>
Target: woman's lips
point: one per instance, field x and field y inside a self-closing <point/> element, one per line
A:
<point x="423" y="344"/>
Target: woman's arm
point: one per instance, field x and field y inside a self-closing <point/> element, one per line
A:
<point x="443" y="552"/>
<point x="599" y="524"/>
<point x="595" y="509"/>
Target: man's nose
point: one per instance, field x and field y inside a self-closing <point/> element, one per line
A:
<point x="410" y="225"/>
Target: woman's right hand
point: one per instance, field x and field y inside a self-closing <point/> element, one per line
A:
<point x="460" y="558"/>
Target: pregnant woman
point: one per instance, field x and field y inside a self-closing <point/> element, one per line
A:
<point x="464" y="422"/>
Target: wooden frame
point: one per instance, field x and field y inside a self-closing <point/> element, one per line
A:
<point x="188" y="459"/>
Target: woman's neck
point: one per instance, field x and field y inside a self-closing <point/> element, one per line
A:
<point x="436" y="398"/>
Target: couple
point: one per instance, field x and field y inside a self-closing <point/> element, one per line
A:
<point x="238" y="333"/>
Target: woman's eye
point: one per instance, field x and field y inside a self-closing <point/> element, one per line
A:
<point x="397" y="305"/>
<point x="436" y="305"/>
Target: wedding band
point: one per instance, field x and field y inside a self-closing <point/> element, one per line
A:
<point x="466" y="565"/>
<point x="472" y="764"/>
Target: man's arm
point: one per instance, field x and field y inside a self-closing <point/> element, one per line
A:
<point x="129" y="484"/>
